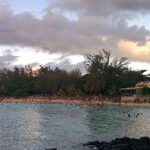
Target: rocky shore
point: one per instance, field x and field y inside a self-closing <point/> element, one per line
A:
<point x="124" y="143"/>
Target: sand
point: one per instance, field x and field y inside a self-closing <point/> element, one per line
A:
<point x="70" y="100"/>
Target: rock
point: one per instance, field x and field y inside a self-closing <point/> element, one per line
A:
<point x="145" y="139"/>
<point x="121" y="146"/>
<point x="124" y="143"/>
<point x="104" y="147"/>
<point x="92" y="143"/>
<point x="120" y="140"/>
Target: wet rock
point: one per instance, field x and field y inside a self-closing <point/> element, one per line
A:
<point x="145" y="139"/>
<point x="120" y="140"/>
<point x="124" y="143"/>
<point x="104" y="147"/>
<point x="120" y="146"/>
<point x="92" y="143"/>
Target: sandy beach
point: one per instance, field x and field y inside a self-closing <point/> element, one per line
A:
<point x="69" y="100"/>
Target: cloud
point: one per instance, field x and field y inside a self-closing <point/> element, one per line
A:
<point x="66" y="65"/>
<point x="100" y="24"/>
<point x="7" y="58"/>
<point x="140" y="52"/>
<point x="101" y="7"/>
<point x="133" y="5"/>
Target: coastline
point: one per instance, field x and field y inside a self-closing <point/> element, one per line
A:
<point x="51" y="99"/>
<point x="69" y="100"/>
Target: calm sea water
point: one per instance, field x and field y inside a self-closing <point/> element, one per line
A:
<point x="35" y="126"/>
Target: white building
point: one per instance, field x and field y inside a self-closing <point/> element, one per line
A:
<point x="139" y="93"/>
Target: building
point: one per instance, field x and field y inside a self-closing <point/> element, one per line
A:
<point x="139" y="93"/>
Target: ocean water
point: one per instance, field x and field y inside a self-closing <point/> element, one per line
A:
<point x="36" y="126"/>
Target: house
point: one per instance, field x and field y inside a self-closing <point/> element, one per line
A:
<point x="139" y="93"/>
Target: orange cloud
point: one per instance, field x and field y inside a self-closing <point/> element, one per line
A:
<point x="135" y="51"/>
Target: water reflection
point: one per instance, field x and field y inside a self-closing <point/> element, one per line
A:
<point x="39" y="126"/>
<point x="30" y="124"/>
<point x="63" y="124"/>
<point x="107" y="123"/>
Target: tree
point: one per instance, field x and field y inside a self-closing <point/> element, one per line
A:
<point x="104" y="74"/>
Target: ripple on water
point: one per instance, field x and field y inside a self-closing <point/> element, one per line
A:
<point x="39" y="126"/>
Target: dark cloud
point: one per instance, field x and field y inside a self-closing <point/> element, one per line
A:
<point x="132" y="5"/>
<point x="103" y="7"/>
<point x="100" y="24"/>
<point x="6" y="59"/>
<point x="4" y="65"/>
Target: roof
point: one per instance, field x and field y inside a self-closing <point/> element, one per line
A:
<point x="131" y="88"/>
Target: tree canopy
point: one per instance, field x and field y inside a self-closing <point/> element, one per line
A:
<point x="104" y="76"/>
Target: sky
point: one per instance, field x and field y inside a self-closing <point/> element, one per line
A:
<point x="61" y="32"/>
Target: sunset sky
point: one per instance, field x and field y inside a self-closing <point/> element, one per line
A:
<point x="60" y="32"/>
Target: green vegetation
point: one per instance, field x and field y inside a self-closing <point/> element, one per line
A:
<point x="105" y="76"/>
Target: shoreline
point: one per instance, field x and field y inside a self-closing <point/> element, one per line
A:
<point x="69" y="100"/>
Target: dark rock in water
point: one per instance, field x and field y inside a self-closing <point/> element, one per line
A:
<point x="145" y="138"/>
<point x="120" y="140"/>
<point x="120" y="146"/>
<point x="124" y="143"/>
